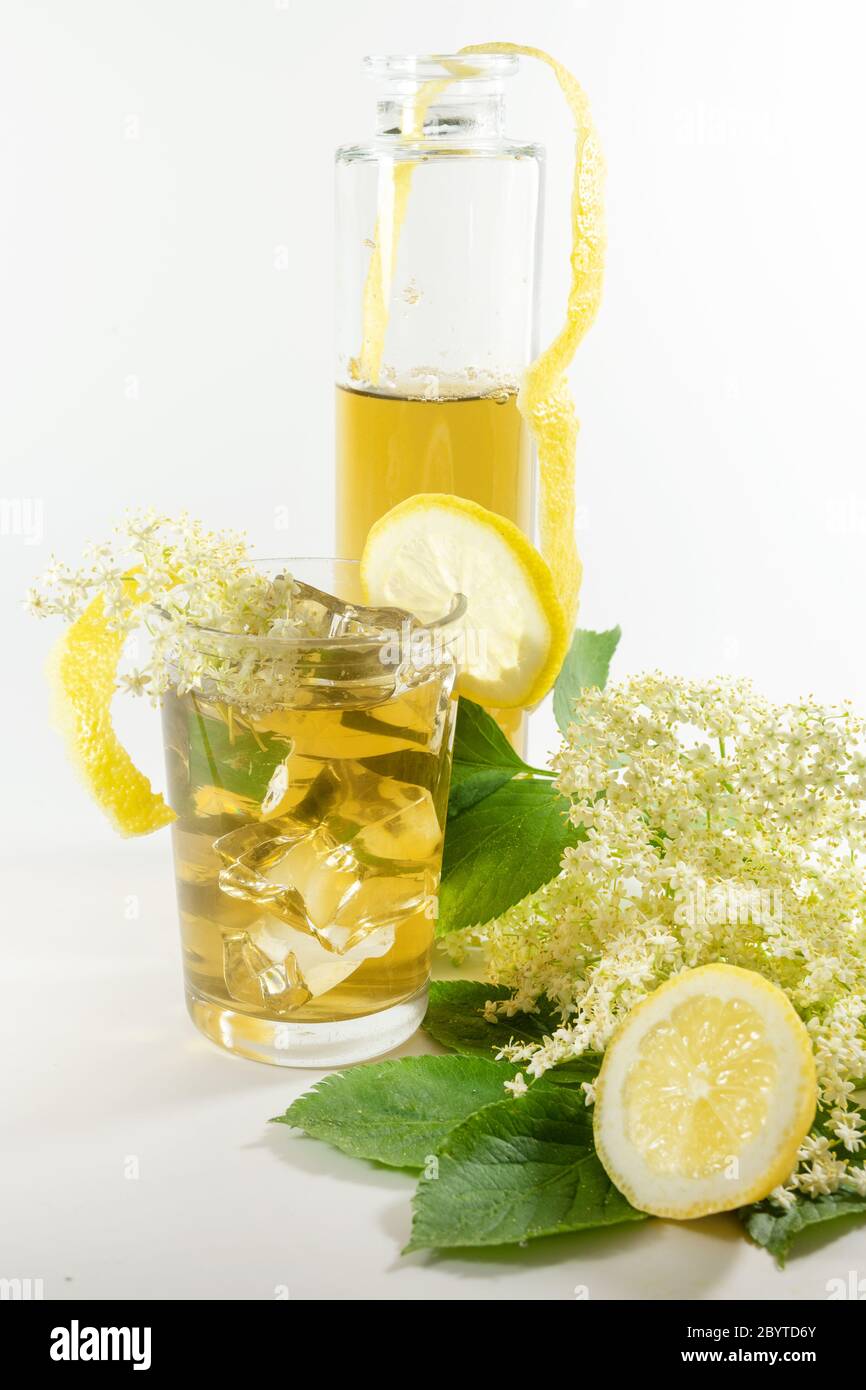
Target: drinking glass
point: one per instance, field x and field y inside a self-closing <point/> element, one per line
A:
<point x="308" y="840"/>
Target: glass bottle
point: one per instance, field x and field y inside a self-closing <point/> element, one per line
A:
<point x="438" y="250"/>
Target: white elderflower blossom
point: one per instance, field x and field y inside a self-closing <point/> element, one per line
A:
<point x="518" y="1086"/>
<point x="720" y="827"/>
<point x="134" y="682"/>
<point x="783" y="1197"/>
<point x="855" y="1181"/>
<point x="198" y="601"/>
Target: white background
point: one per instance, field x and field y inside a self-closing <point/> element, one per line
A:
<point x="166" y="332"/>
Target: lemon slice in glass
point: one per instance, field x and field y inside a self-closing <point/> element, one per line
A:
<point x="512" y="637"/>
<point x="705" y="1094"/>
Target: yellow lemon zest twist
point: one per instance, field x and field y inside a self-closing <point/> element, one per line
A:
<point x="84" y="672"/>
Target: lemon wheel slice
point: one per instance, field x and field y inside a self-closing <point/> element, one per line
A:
<point x="84" y="675"/>
<point x="705" y="1094"/>
<point x="512" y="637"/>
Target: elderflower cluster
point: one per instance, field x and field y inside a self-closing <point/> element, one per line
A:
<point x="719" y="827"/>
<point x="198" y="602"/>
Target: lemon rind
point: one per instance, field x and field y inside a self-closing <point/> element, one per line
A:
<point x="81" y="671"/>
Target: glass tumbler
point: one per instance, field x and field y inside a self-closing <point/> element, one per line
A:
<point x="308" y="840"/>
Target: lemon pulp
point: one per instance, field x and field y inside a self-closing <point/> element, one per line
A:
<point x="699" y="1090"/>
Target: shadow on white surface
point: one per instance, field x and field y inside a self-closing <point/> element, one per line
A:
<point x="626" y="1262"/>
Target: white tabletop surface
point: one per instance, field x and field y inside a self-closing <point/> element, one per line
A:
<point x="103" y="1077"/>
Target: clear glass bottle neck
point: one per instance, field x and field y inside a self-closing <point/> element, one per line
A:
<point x="447" y="116"/>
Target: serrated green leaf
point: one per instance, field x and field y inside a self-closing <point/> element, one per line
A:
<point x="587" y="664"/>
<point x="479" y="741"/>
<point x="483" y="759"/>
<point x="471" y="784"/>
<point x="776" y="1230"/>
<point x="455" y="1019"/>
<point x="515" y="1170"/>
<point x="500" y="849"/>
<point x="397" y="1112"/>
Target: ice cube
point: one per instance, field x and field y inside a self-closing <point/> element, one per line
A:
<point x="302" y="880"/>
<point x="369" y="797"/>
<point x="338" y="883"/>
<point x="321" y="613"/>
<point x="385" y="818"/>
<point x="374" y="903"/>
<point x="249" y="886"/>
<point x="256" y="842"/>
<point x="321" y="870"/>
<point x="254" y="977"/>
<point x="319" y="967"/>
<point x="361" y="620"/>
<point x="248" y="876"/>
<point x="415" y="711"/>
<point x="335" y="617"/>
<point x="408" y="834"/>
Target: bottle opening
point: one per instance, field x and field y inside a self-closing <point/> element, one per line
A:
<point x="441" y="95"/>
<point x="424" y="67"/>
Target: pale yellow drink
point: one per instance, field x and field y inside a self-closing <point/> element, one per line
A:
<point x="391" y="447"/>
<point x="320" y="909"/>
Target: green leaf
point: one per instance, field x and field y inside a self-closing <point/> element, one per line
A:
<point x="586" y="665"/>
<point x="398" y="1112"/>
<point x="236" y="760"/>
<point x="470" y="784"/>
<point x="500" y="849"/>
<point x="483" y="759"/>
<point x="479" y="741"/>
<point x="776" y="1230"/>
<point x="516" y="1170"/>
<point x="455" y="1019"/>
